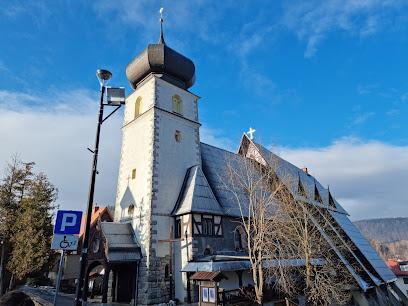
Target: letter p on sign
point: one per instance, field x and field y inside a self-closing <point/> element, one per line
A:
<point x="68" y="222"/>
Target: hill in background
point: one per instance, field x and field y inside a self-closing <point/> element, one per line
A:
<point x="389" y="236"/>
<point x="384" y="230"/>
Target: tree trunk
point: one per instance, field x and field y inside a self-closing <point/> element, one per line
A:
<point x="3" y="254"/>
<point x="11" y="284"/>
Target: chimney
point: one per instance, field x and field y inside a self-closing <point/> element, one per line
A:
<point x="305" y="170"/>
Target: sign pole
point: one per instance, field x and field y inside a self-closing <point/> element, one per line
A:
<point x="58" y="282"/>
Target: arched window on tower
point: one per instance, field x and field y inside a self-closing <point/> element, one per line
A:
<point x="138" y="107"/>
<point x="131" y="210"/>
<point x="177" y="105"/>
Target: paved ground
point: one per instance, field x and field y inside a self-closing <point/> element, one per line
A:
<point x="44" y="296"/>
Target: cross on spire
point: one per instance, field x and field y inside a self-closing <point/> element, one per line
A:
<point x="161" y="40"/>
<point x="250" y="133"/>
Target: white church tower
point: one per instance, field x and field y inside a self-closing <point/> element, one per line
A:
<point x="160" y="142"/>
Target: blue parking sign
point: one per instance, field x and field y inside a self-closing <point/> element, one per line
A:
<point x="68" y="222"/>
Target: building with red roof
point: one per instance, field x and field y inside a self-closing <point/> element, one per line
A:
<point x="71" y="263"/>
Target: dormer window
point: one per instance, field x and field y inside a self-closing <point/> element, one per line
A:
<point x="331" y="200"/>
<point x="317" y="196"/>
<point x="301" y="189"/>
<point x="177" y="105"/>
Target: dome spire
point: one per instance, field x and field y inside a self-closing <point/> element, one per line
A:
<point x="161" y="40"/>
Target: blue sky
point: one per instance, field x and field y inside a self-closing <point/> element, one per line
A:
<point x="323" y="82"/>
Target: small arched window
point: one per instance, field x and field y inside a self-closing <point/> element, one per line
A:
<point x="177" y="136"/>
<point x="177" y="105"/>
<point x="138" y="107"/>
<point x="131" y="209"/>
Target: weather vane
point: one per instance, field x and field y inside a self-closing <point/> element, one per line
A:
<point x="161" y="14"/>
<point x="250" y="133"/>
<point x="161" y="40"/>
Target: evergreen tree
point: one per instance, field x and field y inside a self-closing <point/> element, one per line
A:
<point x="12" y="189"/>
<point x="26" y="205"/>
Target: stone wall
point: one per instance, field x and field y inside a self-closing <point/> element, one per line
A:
<point x="153" y="286"/>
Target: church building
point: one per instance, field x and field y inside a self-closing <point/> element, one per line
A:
<point x="174" y="236"/>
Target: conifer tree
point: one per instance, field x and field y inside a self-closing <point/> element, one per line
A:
<point x="26" y="206"/>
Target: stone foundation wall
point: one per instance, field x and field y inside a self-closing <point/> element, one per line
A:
<point x="154" y="288"/>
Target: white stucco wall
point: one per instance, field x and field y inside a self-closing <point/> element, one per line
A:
<point x="165" y="93"/>
<point x="173" y="158"/>
<point x="136" y="153"/>
<point x="161" y="163"/>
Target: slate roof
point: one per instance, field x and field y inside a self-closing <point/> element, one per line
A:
<point x="121" y="242"/>
<point x="291" y="174"/>
<point x="364" y="246"/>
<point x="214" y="162"/>
<point x="231" y="264"/>
<point x="196" y="195"/>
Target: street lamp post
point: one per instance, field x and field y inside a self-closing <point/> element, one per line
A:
<point x="103" y="76"/>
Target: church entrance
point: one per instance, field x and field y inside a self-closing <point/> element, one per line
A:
<point x="113" y="263"/>
<point x="125" y="279"/>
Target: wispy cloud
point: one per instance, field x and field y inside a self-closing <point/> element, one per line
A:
<point x="393" y="112"/>
<point x="39" y="11"/>
<point x="312" y="21"/>
<point x="204" y="21"/>
<point x="217" y="138"/>
<point x="361" y="118"/>
<point x="366" y="89"/>
<point x="367" y="177"/>
<point x="396" y="97"/>
<point x="189" y="19"/>
<point x="3" y="66"/>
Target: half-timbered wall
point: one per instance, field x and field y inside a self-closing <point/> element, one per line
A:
<point x="223" y="242"/>
<point x="207" y="225"/>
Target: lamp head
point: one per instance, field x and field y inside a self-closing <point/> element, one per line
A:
<point x="103" y="75"/>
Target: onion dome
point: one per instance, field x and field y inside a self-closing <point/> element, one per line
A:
<point x="159" y="59"/>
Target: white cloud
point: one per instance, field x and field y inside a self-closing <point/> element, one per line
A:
<point x="312" y="21"/>
<point x="56" y="136"/>
<point x="361" y="118"/>
<point x="367" y="178"/>
<point x="217" y="138"/>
